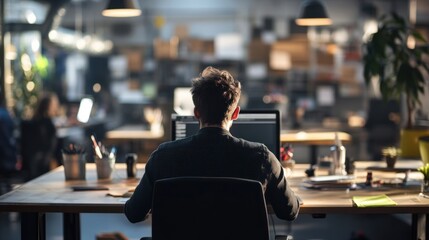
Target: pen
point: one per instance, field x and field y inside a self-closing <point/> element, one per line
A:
<point x="96" y="147"/>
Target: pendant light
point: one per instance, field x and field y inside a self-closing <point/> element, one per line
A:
<point x="313" y="13"/>
<point x="122" y="8"/>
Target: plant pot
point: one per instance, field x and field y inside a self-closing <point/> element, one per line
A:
<point x="409" y="143"/>
<point x="424" y="149"/>
<point x="424" y="187"/>
<point x="390" y="161"/>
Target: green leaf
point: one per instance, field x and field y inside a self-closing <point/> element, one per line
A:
<point x="399" y="68"/>
<point x="418" y="36"/>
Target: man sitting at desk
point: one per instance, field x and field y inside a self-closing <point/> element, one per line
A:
<point x="214" y="152"/>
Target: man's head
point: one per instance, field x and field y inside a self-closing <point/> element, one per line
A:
<point x="215" y="94"/>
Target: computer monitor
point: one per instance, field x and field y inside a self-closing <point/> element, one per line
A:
<point x="253" y="125"/>
<point x="183" y="104"/>
<point x="85" y="108"/>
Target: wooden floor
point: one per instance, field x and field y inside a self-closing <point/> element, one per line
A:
<point x="341" y="227"/>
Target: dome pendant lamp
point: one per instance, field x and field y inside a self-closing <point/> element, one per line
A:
<point x="122" y="8"/>
<point x="313" y="13"/>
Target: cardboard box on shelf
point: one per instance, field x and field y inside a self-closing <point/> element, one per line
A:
<point x="348" y="74"/>
<point x="166" y="48"/>
<point x="200" y="46"/>
<point x="195" y="45"/>
<point x="135" y="60"/>
<point x="324" y="58"/>
<point x="134" y="84"/>
<point x="181" y="31"/>
<point x="297" y="48"/>
<point x="209" y="47"/>
<point x="258" y="51"/>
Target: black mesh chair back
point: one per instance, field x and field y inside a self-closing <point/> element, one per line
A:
<point x="209" y="208"/>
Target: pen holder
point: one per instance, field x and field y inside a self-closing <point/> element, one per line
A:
<point x="105" y="166"/>
<point x="74" y="166"/>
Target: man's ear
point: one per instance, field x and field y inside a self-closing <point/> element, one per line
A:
<point x="235" y="113"/>
<point x="196" y="113"/>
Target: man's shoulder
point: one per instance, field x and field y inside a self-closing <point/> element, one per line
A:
<point x="174" y="144"/>
<point x="248" y="143"/>
<point x="251" y="147"/>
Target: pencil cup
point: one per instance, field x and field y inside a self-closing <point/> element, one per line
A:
<point x="74" y="166"/>
<point x="105" y="166"/>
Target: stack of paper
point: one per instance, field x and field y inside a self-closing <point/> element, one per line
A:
<point x="331" y="182"/>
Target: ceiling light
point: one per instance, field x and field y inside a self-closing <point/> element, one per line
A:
<point x="313" y="13"/>
<point x="122" y="8"/>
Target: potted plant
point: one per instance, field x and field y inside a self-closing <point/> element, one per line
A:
<point x="390" y="155"/>
<point x="399" y="69"/>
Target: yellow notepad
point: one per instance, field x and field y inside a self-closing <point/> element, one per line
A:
<point x="373" y="201"/>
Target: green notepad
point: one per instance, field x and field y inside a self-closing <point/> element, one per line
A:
<point x="373" y="201"/>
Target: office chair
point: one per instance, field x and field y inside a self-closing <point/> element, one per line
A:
<point x="209" y="208"/>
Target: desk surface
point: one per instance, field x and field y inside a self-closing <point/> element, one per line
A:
<point x="314" y="138"/>
<point x="133" y="132"/>
<point x="138" y="132"/>
<point x="51" y="193"/>
<point x="340" y="200"/>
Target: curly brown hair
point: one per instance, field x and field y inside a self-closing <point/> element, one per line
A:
<point x="215" y="94"/>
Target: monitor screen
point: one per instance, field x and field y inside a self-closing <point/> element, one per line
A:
<point x="183" y="104"/>
<point x="85" y="108"/>
<point x="257" y="126"/>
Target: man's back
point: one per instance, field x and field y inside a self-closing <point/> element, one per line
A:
<point x="214" y="152"/>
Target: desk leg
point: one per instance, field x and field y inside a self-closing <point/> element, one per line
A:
<point x="419" y="227"/>
<point x="71" y="226"/>
<point x="33" y="226"/>
<point x="427" y="226"/>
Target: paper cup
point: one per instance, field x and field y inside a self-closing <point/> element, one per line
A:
<point x="105" y="167"/>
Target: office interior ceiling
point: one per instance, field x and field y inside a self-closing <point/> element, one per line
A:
<point x="132" y="30"/>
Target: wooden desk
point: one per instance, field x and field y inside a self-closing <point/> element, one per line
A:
<point x="330" y="201"/>
<point x="133" y="132"/>
<point x="314" y="139"/>
<point x="133" y="136"/>
<point x="50" y="193"/>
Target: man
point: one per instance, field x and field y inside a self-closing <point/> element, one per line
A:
<point x="214" y="152"/>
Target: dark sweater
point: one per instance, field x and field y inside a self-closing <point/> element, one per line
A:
<point x="214" y="152"/>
